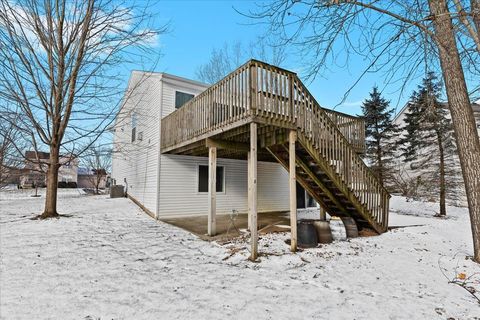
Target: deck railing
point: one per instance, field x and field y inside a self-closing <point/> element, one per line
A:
<point x="258" y="90"/>
<point x="223" y="103"/>
<point x="352" y="128"/>
<point x="254" y="86"/>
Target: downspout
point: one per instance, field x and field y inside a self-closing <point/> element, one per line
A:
<point x="159" y="165"/>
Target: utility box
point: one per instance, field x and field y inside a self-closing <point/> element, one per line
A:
<point x="117" y="191"/>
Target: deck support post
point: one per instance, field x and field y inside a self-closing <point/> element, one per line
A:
<point x="249" y="199"/>
<point x="252" y="188"/>
<point x="292" y="138"/>
<point x="212" y="190"/>
<point x="323" y="214"/>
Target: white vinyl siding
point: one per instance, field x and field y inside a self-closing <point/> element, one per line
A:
<point x="137" y="161"/>
<point x="179" y="188"/>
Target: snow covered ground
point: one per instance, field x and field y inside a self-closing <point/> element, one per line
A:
<point x="109" y="260"/>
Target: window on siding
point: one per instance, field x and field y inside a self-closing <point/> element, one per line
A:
<point x="203" y="179"/>
<point x="181" y="98"/>
<point x="134" y="126"/>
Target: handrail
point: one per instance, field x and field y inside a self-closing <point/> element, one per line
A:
<point x="324" y="135"/>
<point x="353" y="128"/>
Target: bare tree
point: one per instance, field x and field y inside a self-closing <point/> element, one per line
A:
<point x="229" y="57"/>
<point x="401" y="39"/>
<point x="98" y="161"/>
<point x="222" y="61"/>
<point x="10" y="158"/>
<point x="61" y="62"/>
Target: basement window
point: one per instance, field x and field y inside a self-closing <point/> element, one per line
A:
<point x="203" y="179"/>
<point x="181" y="98"/>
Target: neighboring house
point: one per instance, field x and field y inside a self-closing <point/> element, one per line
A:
<point x="34" y="171"/>
<point x="10" y="176"/>
<point x="68" y="171"/>
<point x="476" y="114"/>
<point x="399" y="118"/>
<point x="404" y="171"/>
<point x="88" y="178"/>
<point x="169" y="127"/>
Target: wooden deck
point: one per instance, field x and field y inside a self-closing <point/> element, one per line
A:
<point x="262" y="112"/>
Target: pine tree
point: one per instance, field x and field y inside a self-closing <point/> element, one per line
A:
<point x="379" y="131"/>
<point x="428" y="145"/>
<point x="412" y="142"/>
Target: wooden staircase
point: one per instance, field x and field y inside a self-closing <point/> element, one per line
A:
<point x="327" y="161"/>
<point x="330" y="192"/>
<point x="329" y="168"/>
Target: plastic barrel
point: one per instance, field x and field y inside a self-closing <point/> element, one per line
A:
<point x="350" y="227"/>
<point x="338" y="229"/>
<point x="306" y="234"/>
<point x="324" y="233"/>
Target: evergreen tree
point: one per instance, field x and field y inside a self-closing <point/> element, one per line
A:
<point x="379" y="131"/>
<point x="412" y="142"/>
<point x="428" y="144"/>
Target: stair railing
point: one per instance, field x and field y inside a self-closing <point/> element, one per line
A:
<point x="332" y="145"/>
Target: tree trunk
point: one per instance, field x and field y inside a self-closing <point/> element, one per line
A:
<point x="52" y="185"/>
<point x="443" y="209"/>
<point x="468" y="142"/>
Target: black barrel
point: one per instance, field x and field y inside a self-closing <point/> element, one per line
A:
<point x="350" y="227"/>
<point x="324" y="233"/>
<point x="306" y="234"/>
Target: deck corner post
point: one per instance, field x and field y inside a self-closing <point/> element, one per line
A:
<point x="292" y="138"/>
<point x="252" y="187"/>
<point x="291" y="94"/>
<point x="212" y="192"/>
<point x="253" y="88"/>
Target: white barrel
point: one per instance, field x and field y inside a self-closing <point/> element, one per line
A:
<point x="338" y="229"/>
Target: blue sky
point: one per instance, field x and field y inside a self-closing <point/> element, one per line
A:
<point x="197" y="27"/>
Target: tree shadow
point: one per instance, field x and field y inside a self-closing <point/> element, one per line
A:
<point x="58" y="216"/>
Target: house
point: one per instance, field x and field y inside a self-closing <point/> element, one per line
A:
<point x="408" y="174"/>
<point x="399" y="118"/>
<point x="184" y="148"/>
<point x="88" y="179"/>
<point x="36" y="164"/>
<point x="10" y="176"/>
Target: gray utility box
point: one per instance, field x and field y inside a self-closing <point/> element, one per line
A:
<point x="117" y="191"/>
